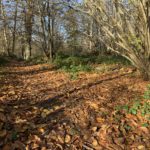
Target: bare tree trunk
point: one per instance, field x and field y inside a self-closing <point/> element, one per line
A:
<point x="28" y="26"/>
<point x="14" y="30"/>
<point x="44" y="43"/>
<point x="49" y="45"/>
<point x="51" y="24"/>
<point x="6" y="41"/>
<point x="91" y="34"/>
<point x="52" y="37"/>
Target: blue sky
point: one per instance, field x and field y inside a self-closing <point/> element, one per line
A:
<point x="79" y="1"/>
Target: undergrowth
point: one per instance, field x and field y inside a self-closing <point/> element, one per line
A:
<point x="37" y="60"/>
<point x="66" y="60"/>
<point x="3" y="60"/>
<point x="73" y="65"/>
<point x="140" y="106"/>
<point x="76" y="64"/>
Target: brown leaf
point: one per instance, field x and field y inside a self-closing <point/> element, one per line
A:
<point x="1" y="110"/>
<point x="144" y="129"/>
<point x="141" y="147"/>
<point x="94" y="142"/>
<point x="60" y="139"/>
<point x="133" y="123"/>
<point x="1" y="125"/>
<point x="43" y="115"/>
<point x="41" y="130"/>
<point x="94" y="129"/>
<point x="18" y="145"/>
<point x="2" y="117"/>
<point x="35" y="138"/>
<point x="34" y="146"/>
<point x="12" y="92"/>
<point x="100" y="120"/>
<point x="43" y="148"/>
<point x="119" y="141"/>
<point x="3" y="133"/>
<point x="67" y="138"/>
<point x="7" y="147"/>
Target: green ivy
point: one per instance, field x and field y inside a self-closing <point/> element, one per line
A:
<point x="138" y="106"/>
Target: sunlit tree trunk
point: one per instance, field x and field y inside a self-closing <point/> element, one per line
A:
<point x="5" y="34"/>
<point x="127" y="32"/>
<point x="47" y="18"/>
<point x="51" y="26"/>
<point x="91" y="34"/>
<point x="28" y="28"/>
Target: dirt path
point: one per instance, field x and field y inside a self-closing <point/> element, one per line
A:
<point x="41" y="108"/>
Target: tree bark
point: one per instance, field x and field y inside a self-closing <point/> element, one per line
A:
<point x="14" y="30"/>
<point x="6" y="40"/>
<point x="29" y="24"/>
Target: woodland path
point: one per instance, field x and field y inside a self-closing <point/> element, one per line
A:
<point x="43" y="109"/>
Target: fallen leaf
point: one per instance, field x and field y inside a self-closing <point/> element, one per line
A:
<point x="35" y="138"/>
<point x="67" y="138"/>
<point x="7" y="147"/>
<point x="2" y="117"/>
<point x="93" y="105"/>
<point x="34" y="146"/>
<point x="94" y="129"/>
<point x="12" y="92"/>
<point x="119" y="141"/>
<point x="144" y="129"/>
<point x="3" y="133"/>
<point x="43" y="115"/>
<point x="141" y="147"/>
<point x="19" y="120"/>
<point x="1" y="110"/>
<point x="94" y="142"/>
<point x="16" y="107"/>
<point x="43" y="148"/>
<point x="1" y="125"/>
<point x="18" y="145"/>
<point x="60" y="139"/>
<point x="41" y="130"/>
<point x="100" y="120"/>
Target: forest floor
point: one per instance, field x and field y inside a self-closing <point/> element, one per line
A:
<point x="43" y="109"/>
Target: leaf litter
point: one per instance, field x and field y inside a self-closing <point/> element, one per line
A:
<point x="45" y="110"/>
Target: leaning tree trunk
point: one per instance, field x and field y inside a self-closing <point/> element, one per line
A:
<point x="143" y="66"/>
<point x="146" y="73"/>
<point x="127" y="33"/>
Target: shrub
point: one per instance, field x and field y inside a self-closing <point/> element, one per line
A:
<point x="37" y="60"/>
<point x="72" y="64"/>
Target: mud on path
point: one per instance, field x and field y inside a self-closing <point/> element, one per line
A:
<point x="43" y="109"/>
